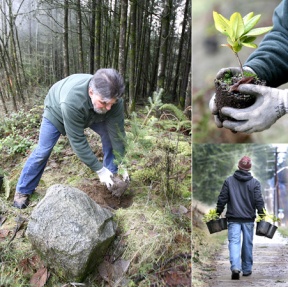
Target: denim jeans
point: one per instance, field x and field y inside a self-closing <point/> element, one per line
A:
<point x="48" y="137"/>
<point x="241" y="258"/>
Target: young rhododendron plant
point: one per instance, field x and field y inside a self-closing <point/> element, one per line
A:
<point x="240" y="31"/>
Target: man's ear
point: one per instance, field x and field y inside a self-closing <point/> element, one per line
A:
<point x="90" y="91"/>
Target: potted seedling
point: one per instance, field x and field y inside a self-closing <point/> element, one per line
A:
<point x="266" y="224"/>
<point x="214" y="222"/>
<point x="239" y="32"/>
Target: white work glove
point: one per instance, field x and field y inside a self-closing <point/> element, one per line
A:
<point x="105" y="176"/>
<point x="270" y="105"/>
<point x="212" y="106"/>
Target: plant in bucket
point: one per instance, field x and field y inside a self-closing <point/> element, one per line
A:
<point x="266" y="224"/>
<point x="239" y="32"/>
<point x="214" y="222"/>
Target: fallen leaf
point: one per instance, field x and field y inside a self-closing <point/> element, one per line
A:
<point x="40" y="278"/>
<point x="24" y="266"/>
<point x="29" y="265"/>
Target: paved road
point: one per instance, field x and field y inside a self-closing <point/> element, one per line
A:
<point x="270" y="266"/>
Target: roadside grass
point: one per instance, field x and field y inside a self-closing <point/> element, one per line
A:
<point x="283" y="231"/>
<point x="204" y="245"/>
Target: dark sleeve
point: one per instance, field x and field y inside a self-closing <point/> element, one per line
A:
<point x="74" y="126"/>
<point x="223" y="198"/>
<point x="115" y="127"/>
<point x="259" y="202"/>
<point x="270" y="60"/>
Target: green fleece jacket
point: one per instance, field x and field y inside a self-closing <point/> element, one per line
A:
<point x="270" y="60"/>
<point x="69" y="108"/>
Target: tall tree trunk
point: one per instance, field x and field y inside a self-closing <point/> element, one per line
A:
<point x="141" y="37"/>
<point x="66" y="39"/>
<point x="79" y="27"/>
<point x="92" y="37"/>
<point x="187" y="107"/>
<point x="98" y="35"/>
<point x="122" y="41"/>
<point x="115" y="33"/>
<point x="186" y="72"/>
<point x="132" y="55"/>
<point x="179" y="59"/>
<point x="3" y="101"/>
<point x="165" y="25"/>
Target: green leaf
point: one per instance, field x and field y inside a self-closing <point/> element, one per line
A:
<point x="259" y="31"/>
<point x="237" y="25"/>
<point x="222" y="24"/>
<point x="248" y="17"/>
<point x="251" y="23"/>
<point x="250" y="45"/>
<point x="246" y="40"/>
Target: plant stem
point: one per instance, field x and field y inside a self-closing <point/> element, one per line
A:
<point x="240" y="64"/>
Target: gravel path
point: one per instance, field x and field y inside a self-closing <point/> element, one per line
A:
<point x="270" y="266"/>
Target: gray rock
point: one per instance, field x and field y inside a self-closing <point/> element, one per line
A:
<point x="70" y="231"/>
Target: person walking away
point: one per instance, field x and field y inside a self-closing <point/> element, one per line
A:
<point x="241" y="192"/>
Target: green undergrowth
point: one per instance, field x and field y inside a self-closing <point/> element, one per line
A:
<point x="152" y="230"/>
<point x="283" y="231"/>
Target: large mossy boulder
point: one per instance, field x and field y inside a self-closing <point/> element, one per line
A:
<point x="70" y="231"/>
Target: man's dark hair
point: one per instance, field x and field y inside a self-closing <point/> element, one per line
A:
<point x="108" y="83"/>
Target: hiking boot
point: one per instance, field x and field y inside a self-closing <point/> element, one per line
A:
<point x="247" y="274"/>
<point x="235" y="275"/>
<point x="21" y="200"/>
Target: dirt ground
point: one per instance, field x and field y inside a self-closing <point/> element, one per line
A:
<point x="269" y="268"/>
<point x="101" y="195"/>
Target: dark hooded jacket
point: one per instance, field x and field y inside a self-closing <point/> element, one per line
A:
<point x="270" y="60"/>
<point x="242" y="194"/>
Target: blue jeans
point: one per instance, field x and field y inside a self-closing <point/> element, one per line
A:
<point x="241" y="258"/>
<point x="48" y="137"/>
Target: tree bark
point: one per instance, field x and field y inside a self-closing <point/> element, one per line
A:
<point x="122" y="41"/>
<point x="179" y="59"/>
<point x="132" y="55"/>
<point x="98" y="35"/>
<point x="165" y="25"/>
<point x="92" y="36"/>
<point x="66" y="39"/>
<point x="79" y="27"/>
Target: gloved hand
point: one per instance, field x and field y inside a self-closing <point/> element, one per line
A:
<point x="105" y="176"/>
<point x="270" y="105"/>
<point x="235" y="71"/>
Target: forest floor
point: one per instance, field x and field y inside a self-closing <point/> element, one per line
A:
<point x="154" y="227"/>
<point x="269" y="268"/>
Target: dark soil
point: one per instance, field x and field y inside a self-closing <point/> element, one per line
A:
<point x="101" y="195"/>
<point x="227" y="98"/>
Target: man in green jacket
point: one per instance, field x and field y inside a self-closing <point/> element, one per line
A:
<point x="270" y="63"/>
<point x="71" y="105"/>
